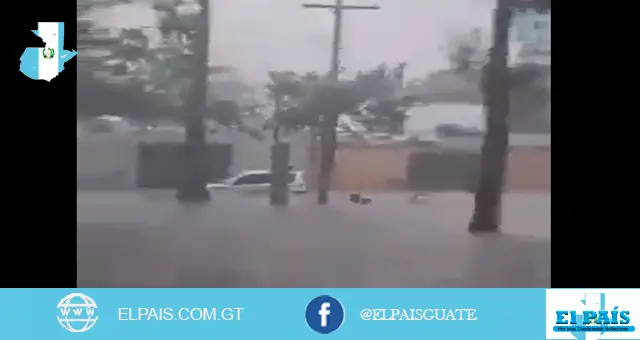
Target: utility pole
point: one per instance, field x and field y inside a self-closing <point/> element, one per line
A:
<point x="194" y="187"/>
<point x="329" y="122"/>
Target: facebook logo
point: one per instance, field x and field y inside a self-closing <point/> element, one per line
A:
<point x="324" y="314"/>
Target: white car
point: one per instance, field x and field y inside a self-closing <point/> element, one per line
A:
<point x="259" y="181"/>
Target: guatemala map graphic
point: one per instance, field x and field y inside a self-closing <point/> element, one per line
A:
<point x="45" y="63"/>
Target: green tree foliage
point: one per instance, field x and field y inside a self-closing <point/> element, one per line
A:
<point x="303" y="101"/>
<point x="288" y="91"/>
<point x="90" y="36"/>
<point x="389" y="115"/>
<point x="156" y="71"/>
<point x="166" y="66"/>
<point x="379" y="84"/>
<point x="386" y="107"/>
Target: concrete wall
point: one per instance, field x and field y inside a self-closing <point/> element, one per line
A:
<point x="529" y="170"/>
<point x="108" y="161"/>
<point x="383" y="168"/>
<point x="376" y="167"/>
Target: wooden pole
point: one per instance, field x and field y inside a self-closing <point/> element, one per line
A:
<point x="330" y="120"/>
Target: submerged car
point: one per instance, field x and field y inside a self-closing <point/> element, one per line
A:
<point x="259" y="181"/>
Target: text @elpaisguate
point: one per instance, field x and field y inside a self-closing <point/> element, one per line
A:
<point x="419" y="314"/>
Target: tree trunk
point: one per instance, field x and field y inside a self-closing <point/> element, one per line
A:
<point x="280" y="152"/>
<point x="328" y="149"/>
<point x="279" y="191"/>
<point x="194" y="188"/>
<point x="487" y="212"/>
<point x="276" y="134"/>
<point x="276" y="117"/>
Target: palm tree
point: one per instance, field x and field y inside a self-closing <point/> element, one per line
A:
<point x="287" y="91"/>
<point x="304" y="102"/>
<point x="174" y="73"/>
<point x="486" y="215"/>
<point x="498" y="81"/>
<point x="194" y="188"/>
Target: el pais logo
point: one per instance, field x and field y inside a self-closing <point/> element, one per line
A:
<point x="616" y="319"/>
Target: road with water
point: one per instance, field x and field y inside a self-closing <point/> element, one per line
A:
<point x="134" y="239"/>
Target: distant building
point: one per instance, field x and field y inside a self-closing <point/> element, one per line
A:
<point x="423" y="120"/>
<point x="531" y="38"/>
<point x="530" y="111"/>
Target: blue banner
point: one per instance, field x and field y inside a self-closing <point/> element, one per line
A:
<point x="192" y="314"/>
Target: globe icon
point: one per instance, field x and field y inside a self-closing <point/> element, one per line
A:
<point x="77" y="313"/>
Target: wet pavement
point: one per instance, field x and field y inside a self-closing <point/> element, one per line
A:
<point x="146" y="239"/>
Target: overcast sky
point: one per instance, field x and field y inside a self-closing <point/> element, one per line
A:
<point x="261" y="35"/>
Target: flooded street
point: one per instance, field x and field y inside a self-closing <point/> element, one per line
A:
<point x="128" y="239"/>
